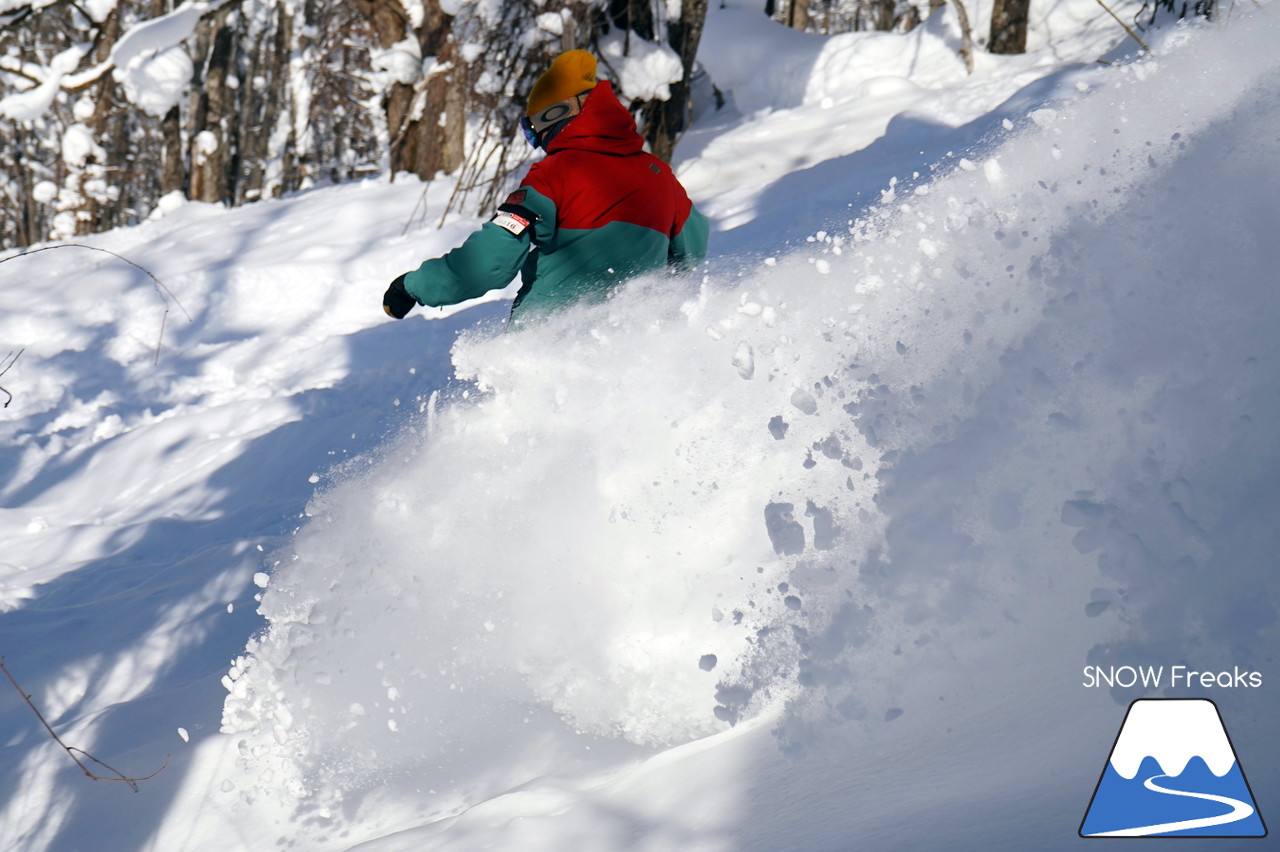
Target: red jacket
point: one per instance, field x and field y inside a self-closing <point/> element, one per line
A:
<point x="596" y="211"/>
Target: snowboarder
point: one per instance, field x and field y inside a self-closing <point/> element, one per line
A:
<point x="595" y="211"/>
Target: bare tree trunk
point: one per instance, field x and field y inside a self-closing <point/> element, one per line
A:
<point x="798" y="14"/>
<point x="665" y="120"/>
<point x="426" y="119"/>
<point x="91" y="213"/>
<point x="434" y="141"/>
<point x="882" y="14"/>
<point x="389" y="23"/>
<point x="174" y="173"/>
<point x="1009" y="26"/>
<point x="28" y="232"/>
<point x="966" y="35"/>
<point x="255" y="96"/>
<point x="209" y="143"/>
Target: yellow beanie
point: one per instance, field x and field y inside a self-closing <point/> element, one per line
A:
<point x="572" y="73"/>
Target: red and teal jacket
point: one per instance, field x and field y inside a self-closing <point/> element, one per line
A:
<point x="595" y="211"/>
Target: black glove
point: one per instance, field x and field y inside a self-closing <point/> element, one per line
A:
<point x="396" y="301"/>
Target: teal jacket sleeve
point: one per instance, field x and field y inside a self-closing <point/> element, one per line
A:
<point x="689" y="246"/>
<point x="489" y="259"/>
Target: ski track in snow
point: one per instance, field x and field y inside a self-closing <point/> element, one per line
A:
<point x="874" y="502"/>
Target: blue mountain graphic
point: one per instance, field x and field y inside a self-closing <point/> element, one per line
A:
<point x="1121" y="803"/>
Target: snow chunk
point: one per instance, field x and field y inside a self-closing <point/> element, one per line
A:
<point x="744" y="359"/>
<point x="993" y="173"/>
<point x="1044" y="117"/>
<point x="550" y="22"/>
<point x="168" y="203"/>
<point x="400" y="63"/>
<point x="44" y="192"/>
<point x="647" y="71"/>
<point x="414" y="10"/>
<point x="79" y="147"/>
<point x="804" y="401"/>
<point x="155" y="82"/>
<point x="206" y="144"/>
<point x="99" y="9"/>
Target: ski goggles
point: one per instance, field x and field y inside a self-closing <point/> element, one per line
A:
<point x="535" y="126"/>
<point x="526" y="127"/>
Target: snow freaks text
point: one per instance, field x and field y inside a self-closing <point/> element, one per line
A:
<point x="1159" y="677"/>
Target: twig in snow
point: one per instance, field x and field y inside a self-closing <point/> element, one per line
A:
<point x="11" y="359"/>
<point x="163" y="319"/>
<point x="72" y="750"/>
<point x="1127" y="28"/>
<point x="164" y="292"/>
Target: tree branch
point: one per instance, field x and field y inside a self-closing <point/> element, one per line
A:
<point x="20" y="73"/>
<point x="1127" y="28"/>
<point x="160" y="287"/>
<point x="14" y="17"/>
<point x="72" y="750"/>
<point x="12" y="359"/>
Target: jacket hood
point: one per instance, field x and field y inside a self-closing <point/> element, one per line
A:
<point x="603" y="126"/>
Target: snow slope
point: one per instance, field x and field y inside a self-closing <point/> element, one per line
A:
<point x="807" y="553"/>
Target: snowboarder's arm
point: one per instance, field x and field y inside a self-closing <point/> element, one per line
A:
<point x="490" y="257"/>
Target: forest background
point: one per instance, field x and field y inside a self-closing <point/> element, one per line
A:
<point x="108" y="107"/>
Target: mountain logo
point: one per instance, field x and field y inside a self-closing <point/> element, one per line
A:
<point x="1172" y="772"/>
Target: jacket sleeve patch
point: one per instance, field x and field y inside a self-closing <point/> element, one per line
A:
<point x="514" y="218"/>
<point x="513" y="223"/>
